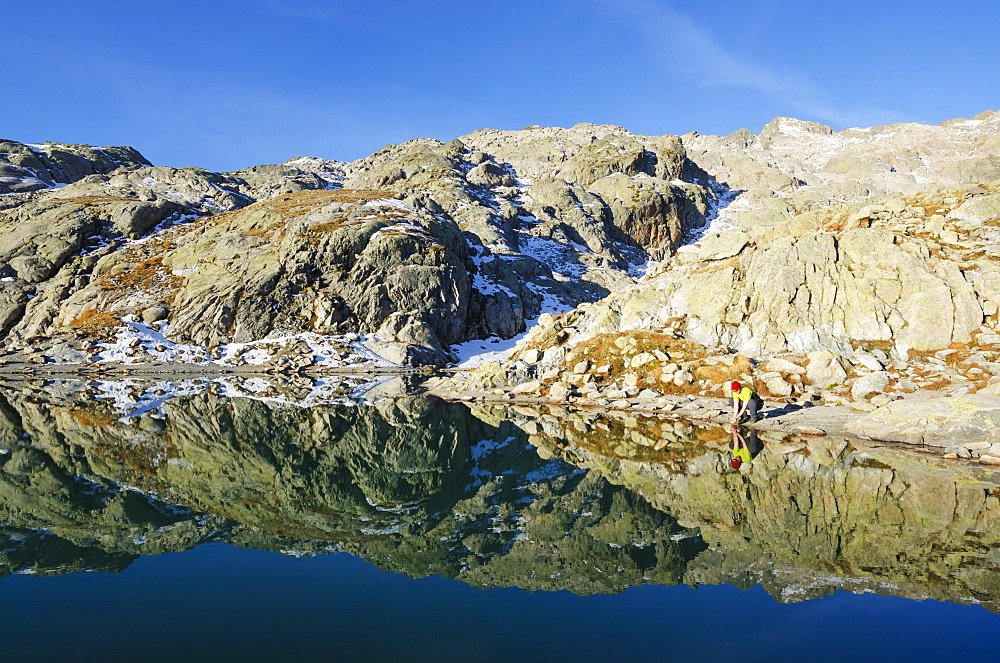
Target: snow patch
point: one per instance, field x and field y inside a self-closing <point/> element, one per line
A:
<point x="473" y="353"/>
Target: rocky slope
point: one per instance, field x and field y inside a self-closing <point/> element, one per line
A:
<point x="817" y="241"/>
<point x="805" y="286"/>
<point x="420" y="246"/>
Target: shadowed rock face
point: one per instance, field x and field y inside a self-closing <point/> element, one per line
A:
<point x="419" y="486"/>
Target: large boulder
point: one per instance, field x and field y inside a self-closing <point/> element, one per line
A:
<point x="939" y="422"/>
<point x="489" y="174"/>
<point x="869" y="384"/>
<point x="714" y="246"/>
<point x="649" y="212"/>
<point x="324" y="261"/>
<point x="978" y="210"/>
<point x="825" y="369"/>
<point x="403" y="338"/>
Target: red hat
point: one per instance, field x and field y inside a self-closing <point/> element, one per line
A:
<point x="734" y="385"/>
<point x="735" y="463"/>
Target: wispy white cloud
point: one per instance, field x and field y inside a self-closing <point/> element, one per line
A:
<point x="688" y="50"/>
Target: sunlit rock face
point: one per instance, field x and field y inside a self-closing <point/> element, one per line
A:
<point x="468" y="239"/>
<point x="807" y="240"/>
<point x="876" y="239"/>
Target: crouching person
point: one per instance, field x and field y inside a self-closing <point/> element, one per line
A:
<point x="747" y="403"/>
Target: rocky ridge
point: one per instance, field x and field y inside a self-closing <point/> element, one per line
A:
<point x="420" y="246"/>
<point x="427" y="244"/>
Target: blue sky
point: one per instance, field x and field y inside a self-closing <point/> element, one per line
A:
<point x="225" y="84"/>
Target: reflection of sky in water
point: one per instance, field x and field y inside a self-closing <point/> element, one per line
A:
<point x="218" y="602"/>
<point x="414" y="487"/>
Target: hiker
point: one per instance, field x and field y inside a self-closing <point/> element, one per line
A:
<point x="745" y="445"/>
<point x="746" y="402"/>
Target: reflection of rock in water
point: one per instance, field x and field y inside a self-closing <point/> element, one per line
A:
<point x="809" y="515"/>
<point x="419" y="486"/>
<point x="412" y="484"/>
<point x="39" y="552"/>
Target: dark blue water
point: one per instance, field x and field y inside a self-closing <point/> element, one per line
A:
<point x="224" y="529"/>
<point x="217" y="602"/>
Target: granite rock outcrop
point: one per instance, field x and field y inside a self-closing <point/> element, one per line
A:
<point x="450" y="235"/>
<point x="799" y="239"/>
<point x="25" y="168"/>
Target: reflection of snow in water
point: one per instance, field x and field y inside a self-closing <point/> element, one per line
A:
<point x="131" y="399"/>
<point x="484" y="447"/>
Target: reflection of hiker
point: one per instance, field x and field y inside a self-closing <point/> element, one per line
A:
<point x="746" y="402"/>
<point x="745" y="445"/>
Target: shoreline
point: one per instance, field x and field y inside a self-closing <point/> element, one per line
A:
<point x="778" y="419"/>
<point x="816" y="422"/>
<point x="117" y="369"/>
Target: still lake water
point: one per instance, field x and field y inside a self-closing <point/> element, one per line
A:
<point x="229" y="524"/>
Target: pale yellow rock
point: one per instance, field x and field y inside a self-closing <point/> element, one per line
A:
<point x="776" y="385"/>
<point x="825" y="369"/>
<point x="933" y="421"/>
<point x="779" y="365"/>
<point x="642" y="359"/>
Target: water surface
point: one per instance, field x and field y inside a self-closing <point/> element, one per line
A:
<point x="234" y="524"/>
